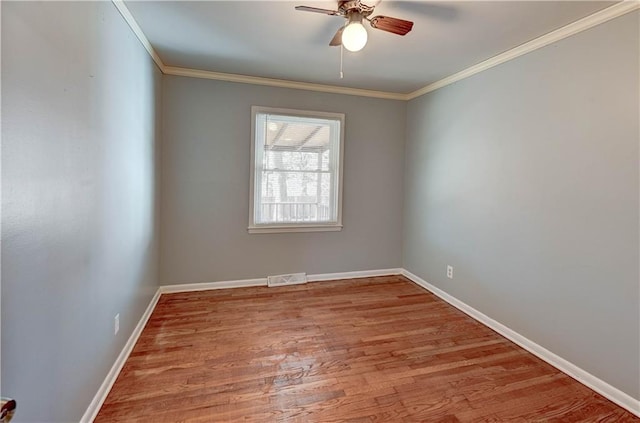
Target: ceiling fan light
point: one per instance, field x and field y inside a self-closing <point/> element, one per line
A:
<point x="354" y="36"/>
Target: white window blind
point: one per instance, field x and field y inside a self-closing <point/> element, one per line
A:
<point x="296" y="170"/>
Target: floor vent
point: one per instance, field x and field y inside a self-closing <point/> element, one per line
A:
<point x="284" y="280"/>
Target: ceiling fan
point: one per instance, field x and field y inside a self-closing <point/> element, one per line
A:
<point x="353" y="36"/>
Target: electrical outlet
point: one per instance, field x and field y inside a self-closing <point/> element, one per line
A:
<point x="450" y="272"/>
<point x="116" y="324"/>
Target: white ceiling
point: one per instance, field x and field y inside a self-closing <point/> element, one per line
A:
<point x="271" y="39"/>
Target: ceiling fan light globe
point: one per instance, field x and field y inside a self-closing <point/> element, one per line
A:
<point x="354" y="37"/>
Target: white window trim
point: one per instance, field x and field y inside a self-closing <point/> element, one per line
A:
<point x="294" y="227"/>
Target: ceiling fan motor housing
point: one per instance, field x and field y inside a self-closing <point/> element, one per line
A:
<point x="348" y="7"/>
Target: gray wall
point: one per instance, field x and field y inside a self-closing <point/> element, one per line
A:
<point x="80" y="139"/>
<point x="525" y="179"/>
<point x="205" y="185"/>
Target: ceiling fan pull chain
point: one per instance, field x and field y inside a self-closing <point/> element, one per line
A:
<point x="341" y="54"/>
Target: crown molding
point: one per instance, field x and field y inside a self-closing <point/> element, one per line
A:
<point x="282" y="83"/>
<point x="583" y="24"/>
<point x="133" y="24"/>
<point x="245" y="79"/>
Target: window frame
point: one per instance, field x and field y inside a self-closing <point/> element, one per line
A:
<point x="254" y="227"/>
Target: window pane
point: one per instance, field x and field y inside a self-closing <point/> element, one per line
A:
<point x="290" y="160"/>
<point x="295" y="197"/>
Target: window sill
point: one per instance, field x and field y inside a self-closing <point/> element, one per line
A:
<point x="273" y="229"/>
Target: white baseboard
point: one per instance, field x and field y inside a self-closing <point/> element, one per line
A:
<point x="204" y="286"/>
<point x="103" y="391"/>
<point x="615" y="395"/>
<point x="353" y="275"/>
<point x="243" y="283"/>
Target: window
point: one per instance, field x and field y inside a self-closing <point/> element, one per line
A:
<point x="296" y="171"/>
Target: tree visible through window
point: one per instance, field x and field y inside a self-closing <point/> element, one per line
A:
<point x="296" y="181"/>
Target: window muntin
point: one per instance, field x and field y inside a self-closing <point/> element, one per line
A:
<point x="296" y="170"/>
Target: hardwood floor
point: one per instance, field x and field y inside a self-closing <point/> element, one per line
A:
<point x="367" y="350"/>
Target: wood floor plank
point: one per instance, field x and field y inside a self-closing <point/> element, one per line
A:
<point x="367" y="350"/>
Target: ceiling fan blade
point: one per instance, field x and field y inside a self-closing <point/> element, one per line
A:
<point x="337" y="39"/>
<point x="394" y="25"/>
<point x="316" y="10"/>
